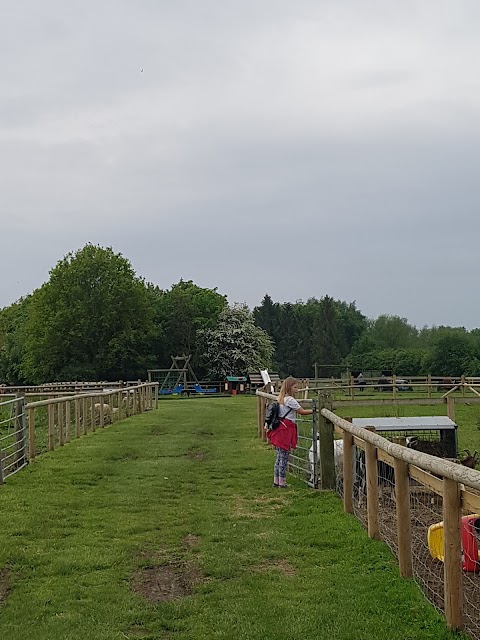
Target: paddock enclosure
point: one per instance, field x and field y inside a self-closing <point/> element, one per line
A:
<point x="52" y="418"/>
<point x="399" y="493"/>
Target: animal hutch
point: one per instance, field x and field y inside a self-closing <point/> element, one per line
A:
<point x="436" y="435"/>
<point x="235" y="385"/>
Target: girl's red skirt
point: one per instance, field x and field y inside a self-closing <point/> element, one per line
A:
<point x="284" y="436"/>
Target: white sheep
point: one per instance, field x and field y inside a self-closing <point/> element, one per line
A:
<point x="337" y="458"/>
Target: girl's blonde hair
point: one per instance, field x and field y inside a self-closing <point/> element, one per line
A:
<point x="286" y="388"/>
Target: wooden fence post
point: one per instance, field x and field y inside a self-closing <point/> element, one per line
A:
<point x="110" y="404"/>
<point x="119" y="403"/>
<point x="101" y="413"/>
<point x="156" y="395"/>
<point x="259" y="416"/>
<point x="451" y="407"/>
<point x="404" y="531"/>
<point x="127" y="403"/>
<point x="85" y="416"/>
<point x="77" y="417"/>
<point x="67" y="421"/>
<point x="453" y="578"/>
<point x="463" y="386"/>
<point x="352" y="387"/>
<point x="61" y="431"/>
<point x="429" y="382"/>
<point x="93" y="416"/>
<point x="326" y="471"/>
<point x="372" y="489"/>
<point x="347" y="472"/>
<point x="394" y="386"/>
<point x="51" y="428"/>
<point x="31" y="433"/>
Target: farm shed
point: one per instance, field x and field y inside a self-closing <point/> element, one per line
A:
<point x="235" y="384"/>
<point x="437" y="435"/>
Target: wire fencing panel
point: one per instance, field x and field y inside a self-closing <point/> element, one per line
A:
<point x="303" y="461"/>
<point x="13" y="437"/>
<point x="426" y="510"/>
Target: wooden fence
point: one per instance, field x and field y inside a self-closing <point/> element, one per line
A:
<point x="62" y="388"/>
<point x="54" y="422"/>
<point x="457" y="489"/>
<point x="395" y="386"/>
<point x="398" y="495"/>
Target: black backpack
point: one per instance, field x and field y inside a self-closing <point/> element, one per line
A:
<point x="272" y="416"/>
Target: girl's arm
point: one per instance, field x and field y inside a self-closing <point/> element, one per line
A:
<point x="305" y="412"/>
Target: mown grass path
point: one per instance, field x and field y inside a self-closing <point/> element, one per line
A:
<point x="187" y="490"/>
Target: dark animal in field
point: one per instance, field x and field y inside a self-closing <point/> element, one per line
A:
<point x="446" y="384"/>
<point x="469" y="460"/>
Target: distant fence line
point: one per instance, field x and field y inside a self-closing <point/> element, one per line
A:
<point x="395" y="385"/>
<point x="52" y="388"/>
<point x="29" y="429"/>
<point x="399" y="494"/>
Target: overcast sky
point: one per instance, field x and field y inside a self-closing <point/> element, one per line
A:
<point x="299" y="148"/>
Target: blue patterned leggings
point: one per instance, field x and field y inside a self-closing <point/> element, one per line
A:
<point x="281" y="463"/>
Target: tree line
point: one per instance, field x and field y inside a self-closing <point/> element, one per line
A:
<point x="95" y="319"/>
<point x="314" y="335"/>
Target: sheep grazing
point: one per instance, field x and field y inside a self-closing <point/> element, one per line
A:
<point x="107" y="415"/>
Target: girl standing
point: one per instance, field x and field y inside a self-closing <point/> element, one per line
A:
<point x="285" y="437"/>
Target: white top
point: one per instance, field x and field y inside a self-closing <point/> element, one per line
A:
<point x="290" y="406"/>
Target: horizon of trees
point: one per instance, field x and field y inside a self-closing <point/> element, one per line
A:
<point x="96" y="319"/>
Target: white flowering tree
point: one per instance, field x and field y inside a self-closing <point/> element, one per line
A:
<point x="235" y="345"/>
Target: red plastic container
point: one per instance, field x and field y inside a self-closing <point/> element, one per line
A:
<point x="470" y="525"/>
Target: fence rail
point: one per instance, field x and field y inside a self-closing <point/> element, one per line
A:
<point x="33" y="428"/>
<point x="424" y="507"/>
<point x="395" y="386"/>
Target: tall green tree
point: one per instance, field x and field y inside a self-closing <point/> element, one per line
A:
<point x="392" y="332"/>
<point x="452" y="355"/>
<point x="92" y="319"/>
<point x="235" y="345"/>
<point x="13" y="339"/>
<point x="179" y="314"/>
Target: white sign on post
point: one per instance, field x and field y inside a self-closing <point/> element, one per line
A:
<point x="265" y="376"/>
<point x="267" y="381"/>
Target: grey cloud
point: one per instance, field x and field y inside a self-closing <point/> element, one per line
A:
<point x="344" y="133"/>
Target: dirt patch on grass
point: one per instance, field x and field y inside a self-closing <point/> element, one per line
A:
<point x="278" y="565"/>
<point x="4" y="585"/>
<point x="259" y="506"/>
<point x="166" y="582"/>
<point x="191" y="541"/>
<point x="197" y="455"/>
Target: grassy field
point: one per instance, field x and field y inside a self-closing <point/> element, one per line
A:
<point x="96" y="537"/>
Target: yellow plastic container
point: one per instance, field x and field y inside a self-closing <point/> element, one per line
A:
<point x="435" y="541"/>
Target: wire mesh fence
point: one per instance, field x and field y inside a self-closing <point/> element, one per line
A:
<point x="426" y="525"/>
<point x="13" y="437"/>
<point x="28" y="430"/>
<point x="303" y="460"/>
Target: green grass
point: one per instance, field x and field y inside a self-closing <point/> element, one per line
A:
<point x="78" y="523"/>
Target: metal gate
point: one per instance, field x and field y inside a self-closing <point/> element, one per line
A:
<point x="304" y="459"/>
<point x="13" y="437"/>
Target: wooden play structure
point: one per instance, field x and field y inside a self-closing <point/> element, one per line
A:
<point x="179" y="377"/>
